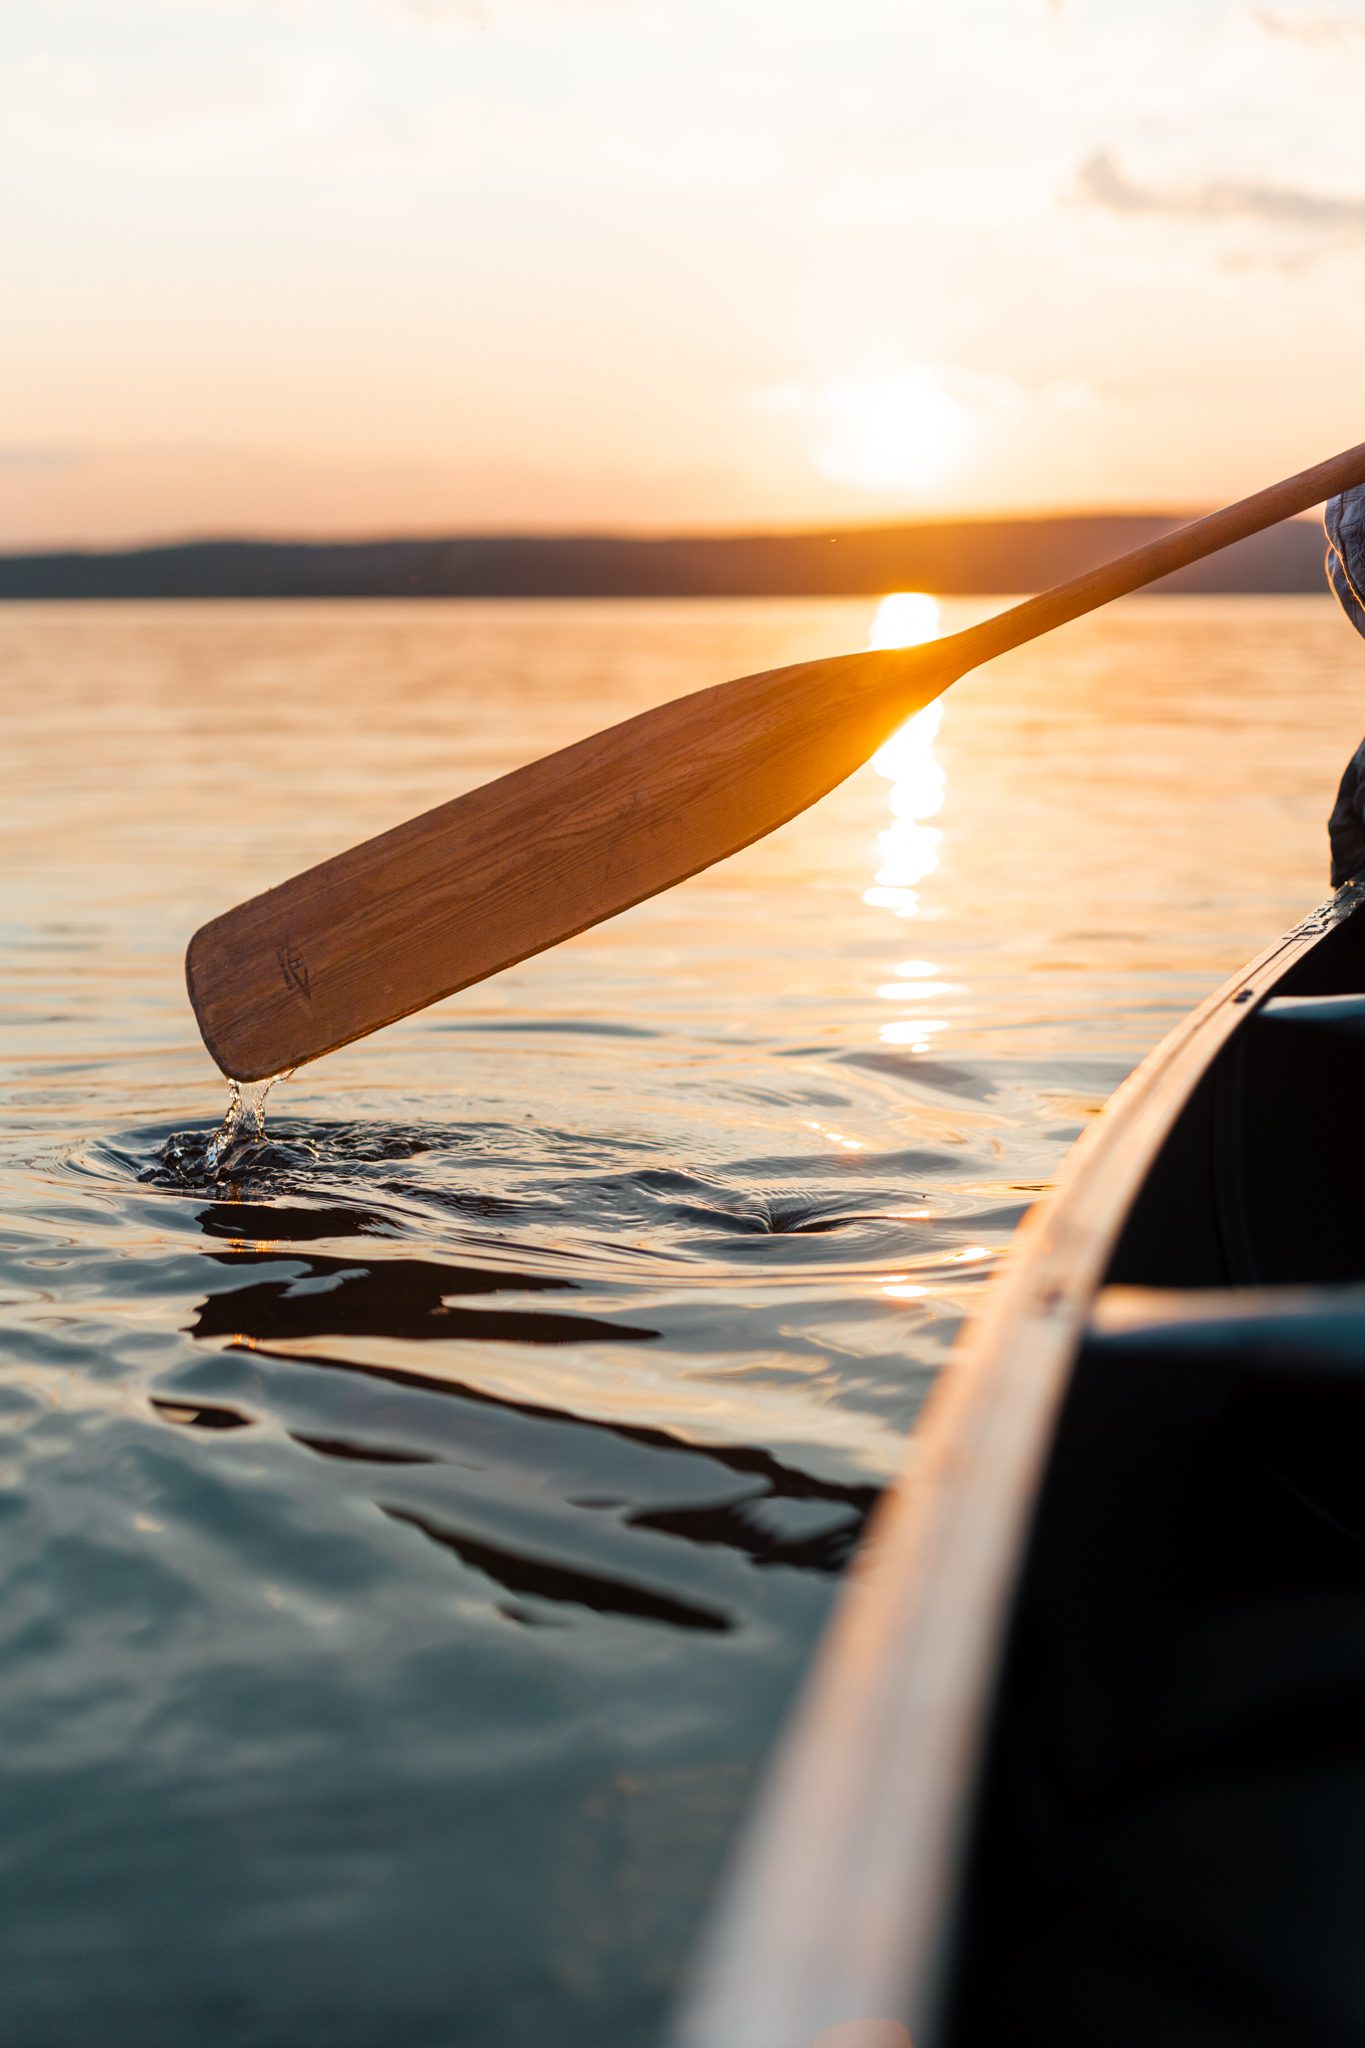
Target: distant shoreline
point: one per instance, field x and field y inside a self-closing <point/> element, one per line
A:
<point x="952" y="558"/>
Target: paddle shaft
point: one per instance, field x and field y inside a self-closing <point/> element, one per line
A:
<point x="469" y="888"/>
<point x="1056" y="607"/>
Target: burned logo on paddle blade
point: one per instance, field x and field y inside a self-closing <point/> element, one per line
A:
<point x="294" y="968"/>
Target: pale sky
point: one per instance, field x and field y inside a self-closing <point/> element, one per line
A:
<point x="349" y="267"/>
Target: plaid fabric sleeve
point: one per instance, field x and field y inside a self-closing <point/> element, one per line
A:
<point x="1345" y="523"/>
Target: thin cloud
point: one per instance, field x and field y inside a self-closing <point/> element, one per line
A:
<point x="38" y="458"/>
<point x="1101" y="183"/>
<point x="1321" y="28"/>
<point x="484" y="14"/>
<point x="470" y="13"/>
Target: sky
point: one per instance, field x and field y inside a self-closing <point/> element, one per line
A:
<point x="354" y="267"/>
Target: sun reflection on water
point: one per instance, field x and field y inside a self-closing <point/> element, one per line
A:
<point x="907" y="618"/>
<point x="909" y="846"/>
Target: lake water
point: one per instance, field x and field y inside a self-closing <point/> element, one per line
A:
<point x="410" y="1547"/>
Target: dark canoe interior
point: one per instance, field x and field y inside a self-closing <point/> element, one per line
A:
<point x="1170" y="1843"/>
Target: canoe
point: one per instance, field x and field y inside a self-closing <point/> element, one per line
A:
<point x="1082" y="1761"/>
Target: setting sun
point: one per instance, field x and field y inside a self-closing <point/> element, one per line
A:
<point x="899" y="433"/>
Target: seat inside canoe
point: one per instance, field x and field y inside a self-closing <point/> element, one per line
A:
<point x="1172" y="1841"/>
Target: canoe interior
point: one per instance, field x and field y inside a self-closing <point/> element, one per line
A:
<point x="1170" y="1840"/>
<point x="1262" y="1180"/>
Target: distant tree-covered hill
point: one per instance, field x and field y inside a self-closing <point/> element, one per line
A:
<point x="950" y="557"/>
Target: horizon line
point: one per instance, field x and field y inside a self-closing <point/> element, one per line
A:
<point x="599" y="536"/>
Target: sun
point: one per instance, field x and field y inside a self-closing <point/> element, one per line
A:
<point x="891" y="434"/>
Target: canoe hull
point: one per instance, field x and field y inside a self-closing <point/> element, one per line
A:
<point x="860" y="1891"/>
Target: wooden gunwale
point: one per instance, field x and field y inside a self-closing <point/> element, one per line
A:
<point x="840" y="1906"/>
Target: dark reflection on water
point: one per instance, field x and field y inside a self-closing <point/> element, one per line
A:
<point x="540" y="1577"/>
<point x="405" y="1298"/>
<point x="316" y="1295"/>
<point x="411" y="1539"/>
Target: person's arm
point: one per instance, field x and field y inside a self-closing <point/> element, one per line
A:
<point x="1345" y="523"/>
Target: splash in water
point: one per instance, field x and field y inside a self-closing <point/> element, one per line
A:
<point x="243" y="1125"/>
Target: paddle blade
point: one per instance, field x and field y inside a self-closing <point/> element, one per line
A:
<point x="455" y="895"/>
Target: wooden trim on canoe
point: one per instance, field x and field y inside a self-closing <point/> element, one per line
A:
<point x="840" y="1906"/>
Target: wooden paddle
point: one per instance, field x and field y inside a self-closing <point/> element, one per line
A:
<point x="450" y="897"/>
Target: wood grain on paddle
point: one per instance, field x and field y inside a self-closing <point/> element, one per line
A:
<point x="464" y="890"/>
<point x="511" y="868"/>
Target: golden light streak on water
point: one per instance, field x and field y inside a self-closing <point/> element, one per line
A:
<point x="912" y="1032"/>
<point x="847" y="1144"/>
<point x="905" y="618"/>
<point x="909" y="846"/>
<point x="916" y="991"/>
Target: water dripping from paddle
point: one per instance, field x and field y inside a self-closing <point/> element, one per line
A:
<point x="243" y="1125"/>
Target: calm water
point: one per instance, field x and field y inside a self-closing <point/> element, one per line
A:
<point x="410" y="1547"/>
